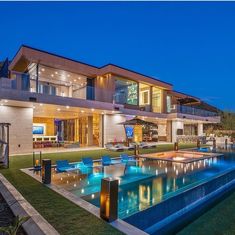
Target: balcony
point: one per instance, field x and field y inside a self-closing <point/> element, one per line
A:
<point x="192" y="111"/>
<point x="47" y="86"/>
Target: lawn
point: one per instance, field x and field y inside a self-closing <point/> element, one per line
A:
<point x="220" y="220"/>
<point x="68" y="218"/>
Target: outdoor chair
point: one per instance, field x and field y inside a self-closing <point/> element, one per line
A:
<point x="125" y="158"/>
<point x="87" y="161"/>
<point x="106" y="160"/>
<point x="143" y="145"/>
<point x="203" y="150"/>
<point x="63" y="166"/>
<point x="152" y="144"/>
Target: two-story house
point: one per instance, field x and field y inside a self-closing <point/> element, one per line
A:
<point x="54" y="101"/>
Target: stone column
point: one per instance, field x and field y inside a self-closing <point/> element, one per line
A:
<point x="175" y="126"/>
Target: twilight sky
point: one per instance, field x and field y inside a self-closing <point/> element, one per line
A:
<point x="191" y="45"/>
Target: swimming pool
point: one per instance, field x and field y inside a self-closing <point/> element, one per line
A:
<point x="145" y="183"/>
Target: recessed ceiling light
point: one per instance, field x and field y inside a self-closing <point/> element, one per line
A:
<point x="56" y="72"/>
<point x="82" y="111"/>
<point x="75" y="80"/>
<point x="92" y="110"/>
<point x="41" y="104"/>
<point x="67" y="107"/>
<point x="5" y="101"/>
<point x="52" y="75"/>
<point x="42" y="69"/>
<point x="58" y="109"/>
<point x="68" y="75"/>
<point x="102" y="113"/>
<point x="79" y="78"/>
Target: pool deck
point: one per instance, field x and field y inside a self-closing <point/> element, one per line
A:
<point x="184" y="157"/>
<point x="119" y="224"/>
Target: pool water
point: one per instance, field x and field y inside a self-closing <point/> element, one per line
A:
<point x="146" y="182"/>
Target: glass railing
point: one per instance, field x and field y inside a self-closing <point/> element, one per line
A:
<point x="23" y="82"/>
<point x="192" y="111"/>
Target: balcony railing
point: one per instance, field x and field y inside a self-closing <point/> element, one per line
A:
<point x="23" y="82"/>
<point x="47" y="86"/>
<point x="192" y="111"/>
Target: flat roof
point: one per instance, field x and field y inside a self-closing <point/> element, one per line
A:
<point x="27" y="54"/>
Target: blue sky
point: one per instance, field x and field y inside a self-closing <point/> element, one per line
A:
<point x="191" y="45"/>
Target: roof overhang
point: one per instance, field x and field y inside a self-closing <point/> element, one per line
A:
<point x="135" y="76"/>
<point x="27" y="55"/>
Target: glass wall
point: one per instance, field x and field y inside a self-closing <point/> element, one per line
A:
<point x="58" y="82"/>
<point x="168" y="104"/>
<point x="156" y="100"/>
<point x="126" y="92"/>
<point x="144" y="94"/>
<point x="190" y="129"/>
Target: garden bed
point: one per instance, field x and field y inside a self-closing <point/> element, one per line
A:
<point x="7" y="217"/>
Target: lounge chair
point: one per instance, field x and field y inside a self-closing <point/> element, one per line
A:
<point x="87" y="161"/>
<point x="203" y="150"/>
<point x="131" y="147"/>
<point x="144" y="145"/>
<point x="106" y="160"/>
<point x="152" y="144"/>
<point x="125" y="158"/>
<point x="116" y="147"/>
<point x="63" y="166"/>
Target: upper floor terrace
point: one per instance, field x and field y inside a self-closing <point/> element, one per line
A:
<point x="40" y="72"/>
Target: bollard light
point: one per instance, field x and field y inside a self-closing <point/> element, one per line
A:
<point x="136" y="150"/>
<point x="176" y="146"/>
<point x="46" y="171"/>
<point x="109" y="199"/>
<point x="198" y="143"/>
<point x="214" y="143"/>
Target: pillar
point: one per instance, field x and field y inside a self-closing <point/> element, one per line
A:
<point x="176" y="125"/>
<point x="200" y="129"/>
<point x="90" y="131"/>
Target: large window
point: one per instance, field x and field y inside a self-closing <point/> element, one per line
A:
<point x="126" y="92"/>
<point x="144" y="94"/>
<point x="157" y="100"/>
<point x="168" y="104"/>
<point x="52" y="81"/>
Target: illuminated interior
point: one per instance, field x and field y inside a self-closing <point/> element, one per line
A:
<point x="126" y="91"/>
<point x="156" y="100"/>
<point x="64" y="126"/>
<point x="59" y="82"/>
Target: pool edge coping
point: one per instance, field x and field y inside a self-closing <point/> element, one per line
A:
<point x="119" y="224"/>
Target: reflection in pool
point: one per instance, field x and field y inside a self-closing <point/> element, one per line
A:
<point x="145" y="182"/>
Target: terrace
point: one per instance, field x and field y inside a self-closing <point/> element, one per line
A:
<point x="77" y="220"/>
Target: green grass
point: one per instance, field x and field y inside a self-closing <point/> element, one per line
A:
<point x="65" y="216"/>
<point x="220" y="220"/>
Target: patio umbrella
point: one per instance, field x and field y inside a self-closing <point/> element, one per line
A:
<point x="137" y="122"/>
